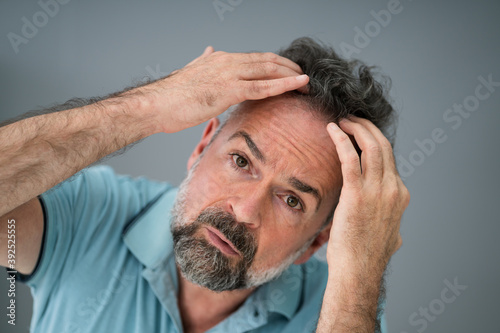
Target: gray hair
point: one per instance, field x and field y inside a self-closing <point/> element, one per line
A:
<point x="339" y="88"/>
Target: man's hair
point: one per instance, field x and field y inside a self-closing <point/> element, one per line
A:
<point x="339" y="88"/>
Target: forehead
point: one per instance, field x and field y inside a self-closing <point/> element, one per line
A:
<point x="292" y="138"/>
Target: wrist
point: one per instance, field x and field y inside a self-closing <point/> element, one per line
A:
<point x="350" y="302"/>
<point x="135" y="108"/>
<point x="159" y="102"/>
<point x="351" y="271"/>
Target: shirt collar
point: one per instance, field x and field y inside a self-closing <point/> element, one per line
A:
<point x="148" y="235"/>
<point x="282" y="295"/>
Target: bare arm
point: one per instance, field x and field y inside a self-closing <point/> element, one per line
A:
<point x="365" y="229"/>
<point x="23" y="223"/>
<point x="40" y="152"/>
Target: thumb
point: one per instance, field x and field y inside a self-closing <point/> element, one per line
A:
<point x="208" y="50"/>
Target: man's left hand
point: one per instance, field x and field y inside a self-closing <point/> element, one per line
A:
<point x="366" y="223"/>
<point x="365" y="228"/>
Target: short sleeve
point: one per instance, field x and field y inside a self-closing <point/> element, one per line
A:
<point x="84" y="219"/>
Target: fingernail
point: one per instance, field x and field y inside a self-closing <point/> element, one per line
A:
<point x="333" y="127"/>
<point x="302" y="77"/>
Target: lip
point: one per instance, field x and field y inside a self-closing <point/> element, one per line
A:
<point x="217" y="239"/>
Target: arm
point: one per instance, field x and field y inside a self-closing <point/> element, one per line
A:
<point x="40" y="152"/>
<point x="365" y="228"/>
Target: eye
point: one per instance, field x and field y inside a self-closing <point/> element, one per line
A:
<point x="240" y="161"/>
<point x="293" y="202"/>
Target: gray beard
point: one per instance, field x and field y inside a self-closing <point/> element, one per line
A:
<point x="202" y="263"/>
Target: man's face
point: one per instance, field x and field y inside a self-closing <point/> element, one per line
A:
<point x="254" y="203"/>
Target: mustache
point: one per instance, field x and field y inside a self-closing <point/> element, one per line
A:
<point x="224" y="222"/>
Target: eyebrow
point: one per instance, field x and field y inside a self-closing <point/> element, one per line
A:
<point x="305" y="188"/>
<point x="293" y="181"/>
<point x="251" y="145"/>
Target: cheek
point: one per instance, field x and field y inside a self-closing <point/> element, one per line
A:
<point x="274" y="246"/>
<point x="206" y="186"/>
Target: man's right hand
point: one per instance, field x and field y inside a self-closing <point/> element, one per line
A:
<point x="214" y="81"/>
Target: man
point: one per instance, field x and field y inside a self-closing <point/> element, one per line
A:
<point x="291" y="167"/>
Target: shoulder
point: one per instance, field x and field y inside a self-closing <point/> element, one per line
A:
<point x="102" y="183"/>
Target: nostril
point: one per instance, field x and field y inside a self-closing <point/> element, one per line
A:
<point x="229" y="208"/>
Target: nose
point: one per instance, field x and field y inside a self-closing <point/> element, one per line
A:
<point x="247" y="206"/>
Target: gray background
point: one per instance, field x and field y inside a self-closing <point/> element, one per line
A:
<point x="434" y="52"/>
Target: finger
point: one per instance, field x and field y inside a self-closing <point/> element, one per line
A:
<point x="349" y="159"/>
<point x="372" y="163"/>
<point x="266" y="71"/>
<point x="270" y="70"/>
<point x="388" y="153"/>
<point x="260" y="89"/>
<point x="272" y="57"/>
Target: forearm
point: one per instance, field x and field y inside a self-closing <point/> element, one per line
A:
<point x="350" y="302"/>
<point x="40" y="152"/>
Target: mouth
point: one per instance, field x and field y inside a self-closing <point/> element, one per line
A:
<point x="217" y="239"/>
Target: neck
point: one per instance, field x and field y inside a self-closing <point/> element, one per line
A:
<point x="201" y="308"/>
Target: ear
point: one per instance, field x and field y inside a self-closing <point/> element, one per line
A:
<point x="209" y="131"/>
<point x="318" y="242"/>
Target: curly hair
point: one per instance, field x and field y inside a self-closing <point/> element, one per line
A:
<point x="339" y="88"/>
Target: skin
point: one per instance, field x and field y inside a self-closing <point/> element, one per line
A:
<point x="38" y="153"/>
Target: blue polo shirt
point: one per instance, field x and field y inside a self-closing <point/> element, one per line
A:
<point x="107" y="265"/>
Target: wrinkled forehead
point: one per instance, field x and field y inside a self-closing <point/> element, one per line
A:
<point x="285" y="116"/>
<point x="273" y="105"/>
<point x="292" y="138"/>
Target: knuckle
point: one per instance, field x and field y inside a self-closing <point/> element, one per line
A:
<point x="386" y="144"/>
<point x="271" y="67"/>
<point x="399" y="242"/>
<point x="393" y="194"/>
<point x="271" y="56"/>
<point x="255" y="88"/>
<point x="387" y="149"/>
<point x="352" y="158"/>
<point x="374" y="149"/>
<point x="342" y="138"/>
<point x="406" y="196"/>
<point x="260" y="89"/>
<point x="222" y="56"/>
<point x="218" y="54"/>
